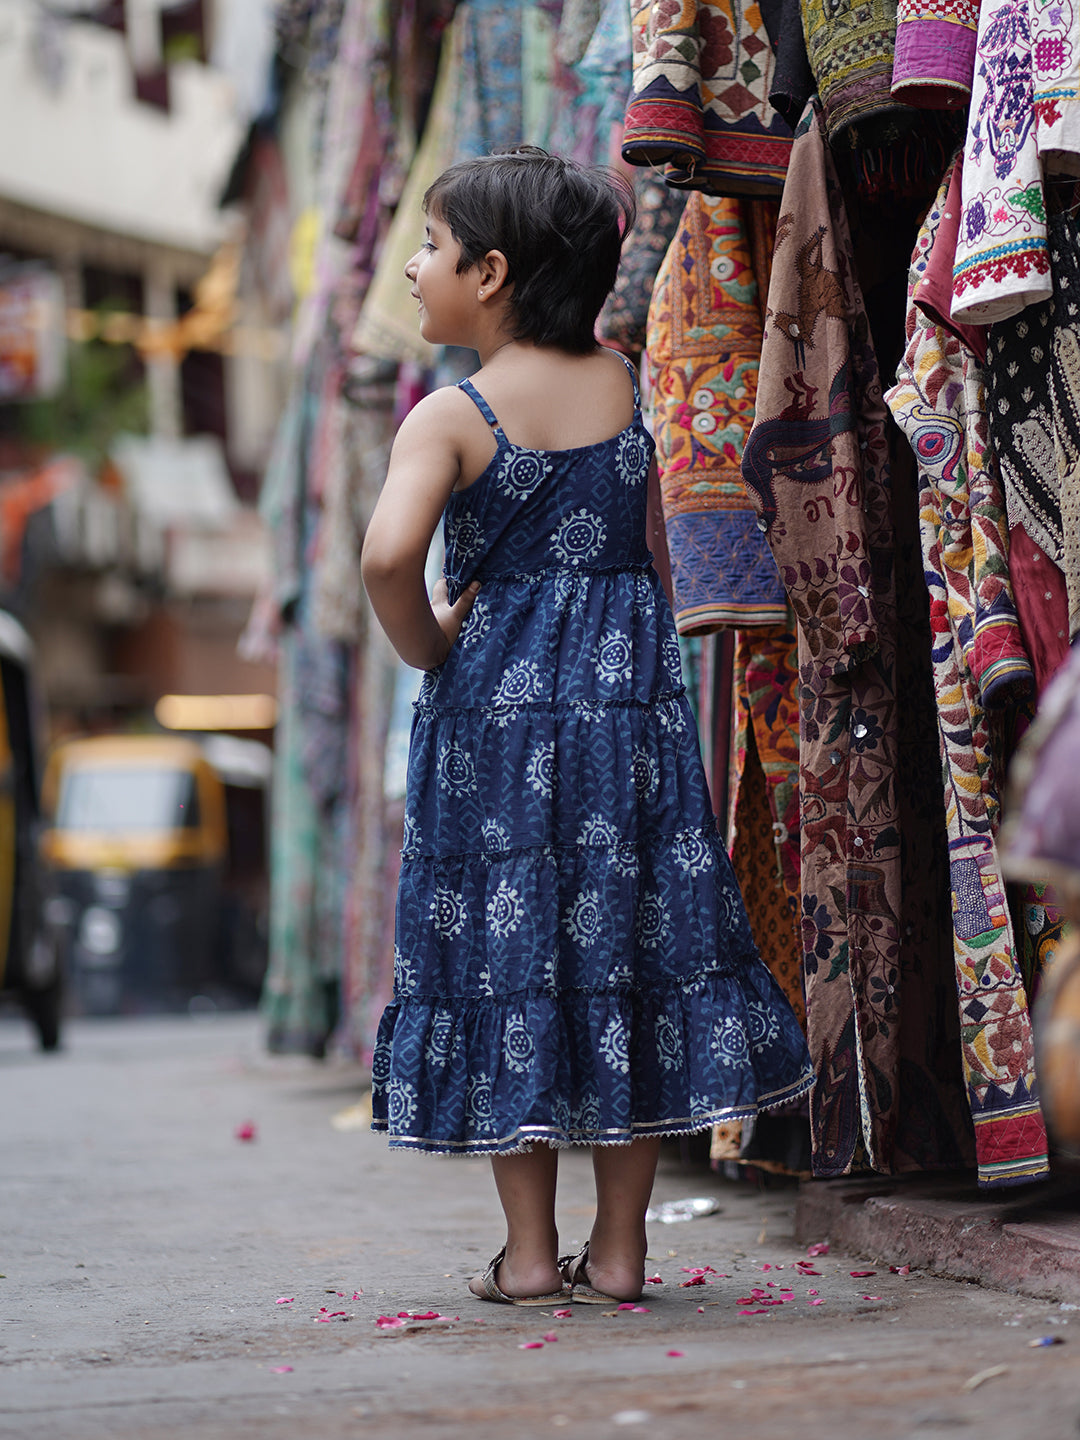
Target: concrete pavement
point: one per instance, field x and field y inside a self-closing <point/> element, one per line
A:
<point x="144" y="1249"/>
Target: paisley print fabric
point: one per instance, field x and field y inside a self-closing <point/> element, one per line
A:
<point x="573" y="960"/>
<point x="704" y="341"/>
<point x="938" y="401"/>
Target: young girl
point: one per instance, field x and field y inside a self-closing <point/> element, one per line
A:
<point x="573" y="961"/>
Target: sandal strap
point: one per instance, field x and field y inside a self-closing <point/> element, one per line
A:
<point x="491" y="1289"/>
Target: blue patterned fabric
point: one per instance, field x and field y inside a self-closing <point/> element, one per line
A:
<point x="573" y="960"/>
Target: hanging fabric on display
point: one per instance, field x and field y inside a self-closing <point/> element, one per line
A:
<point x="816" y="466"/>
<point x="625" y="315"/>
<point x="978" y="664"/>
<point x="704" y="344"/>
<point x="934" y="63"/>
<point x="850" y="44"/>
<point x="1002" y="256"/>
<point x="700" y="107"/>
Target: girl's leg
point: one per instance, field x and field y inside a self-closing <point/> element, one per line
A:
<point x="624" y="1180"/>
<point x="526" y="1186"/>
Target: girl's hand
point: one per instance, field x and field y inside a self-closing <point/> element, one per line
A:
<point x="450" y="618"/>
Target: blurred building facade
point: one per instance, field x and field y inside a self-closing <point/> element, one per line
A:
<point x="141" y="348"/>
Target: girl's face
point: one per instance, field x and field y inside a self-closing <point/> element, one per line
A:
<point x="447" y="300"/>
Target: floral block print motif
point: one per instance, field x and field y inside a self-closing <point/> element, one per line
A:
<point x="704" y="343"/>
<point x="1055" y="58"/>
<point x="700" y="107"/>
<point x="816" y="467"/>
<point x="935" y="52"/>
<point x="938" y="402"/>
<point x="1002" y="256"/>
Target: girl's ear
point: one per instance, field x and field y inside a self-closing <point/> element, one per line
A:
<point x="494" y="274"/>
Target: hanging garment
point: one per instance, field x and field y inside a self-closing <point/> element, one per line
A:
<point x="700" y="107"/>
<point x="625" y="315"/>
<point x="935" y="52"/>
<point x="1055" y="57"/>
<point x="593" y="93"/>
<point x="978" y="664"/>
<point x="933" y="293"/>
<point x="816" y="465"/>
<point x="573" y="959"/>
<point x="1002" y="255"/>
<point x="1065" y="397"/>
<point x="792" y="80"/>
<point x="850" y="44"/>
<point x="704" y="340"/>
<point x="764" y="826"/>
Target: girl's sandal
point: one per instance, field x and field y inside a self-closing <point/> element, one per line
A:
<point x="576" y="1274"/>
<point x="500" y="1297"/>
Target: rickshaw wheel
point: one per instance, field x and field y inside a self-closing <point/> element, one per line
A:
<point x="44" y="1009"/>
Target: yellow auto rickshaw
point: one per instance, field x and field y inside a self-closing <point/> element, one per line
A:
<point x="136" y="846"/>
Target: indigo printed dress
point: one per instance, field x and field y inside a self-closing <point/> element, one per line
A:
<point x="573" y="962"/>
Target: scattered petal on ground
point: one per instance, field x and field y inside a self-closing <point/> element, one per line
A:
<point x="817" y="1302"/>
<point x="871" y="1297"/>
<point x="701" y="1309"/>
<point x="812" y="1292"/>
<point x="983" y="1375"/>
<point x="551" y="1337"/>
<point x="861" y="1274"/>
<point x="653" y="1280"/>
<point x="280" y="1369"/>
<point x="245" y="1131"/>
<point x="390" y="1322"/>
<point x="626" y="1305"/>
<point x="821" y="1248"/>
<point x="753" y="1312"/>
<point x="900" y="1269"/>
<point x="562" y="1314"/>
<point x="694" y="1280"/>
<point x="675" y="1354"/>
<point x="640" y="1309"/>
<point x="531" y="1345"/>
<point x="356" y="1294"/>
<point x="285" y="1300"/>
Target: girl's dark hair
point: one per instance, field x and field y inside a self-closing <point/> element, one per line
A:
<point x="560" y="226"/>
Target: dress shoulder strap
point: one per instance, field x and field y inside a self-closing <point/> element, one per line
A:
<point x="481" y="404"/>
<point x="634" y="380"/>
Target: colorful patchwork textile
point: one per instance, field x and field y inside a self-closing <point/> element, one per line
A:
<point x="1055" y="56"/>
<point x="704" y="340"/>
<point x="850" y="44"/>
<point x="1002" y="256"/>
<point x="702" y="74"/>
<point x="935" y="52"/>
<point x="938" y="402"/>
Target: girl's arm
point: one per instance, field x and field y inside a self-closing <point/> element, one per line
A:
<point x="424" y="468"/>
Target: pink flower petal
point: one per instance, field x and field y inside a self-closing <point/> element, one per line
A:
<point x="694" y="1280"/>
<point x="389" y="1322"/>
<point x="766" y="1267"/>
<point x="551" y="1337"/>
<point x="532" y="1345"/>
<point x="871" y="1297"/>
<point x="861" y="1274"/>
<point x="701" y="1309"/>
<point x="675" y="1354"/>
<point x="356" y="1294"/>
<point x="900" y="1269"/>
<point x="753" y="1312"/>
<point x="280" y="1369"/>
<point x="245" y="1131"/>
<point x="285" y="1300"/>
<point x="562" y="1314"/>
<point x="653" y="1280"/>
<point x="817" y="1302"/>
<point x="626" y="1305"/>
<point x="811" y="1292"/>
<point x="821" y="1248"/>
<point x="424" y="1315"/>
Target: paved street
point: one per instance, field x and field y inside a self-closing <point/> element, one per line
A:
<point x="145" y="1249"/>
